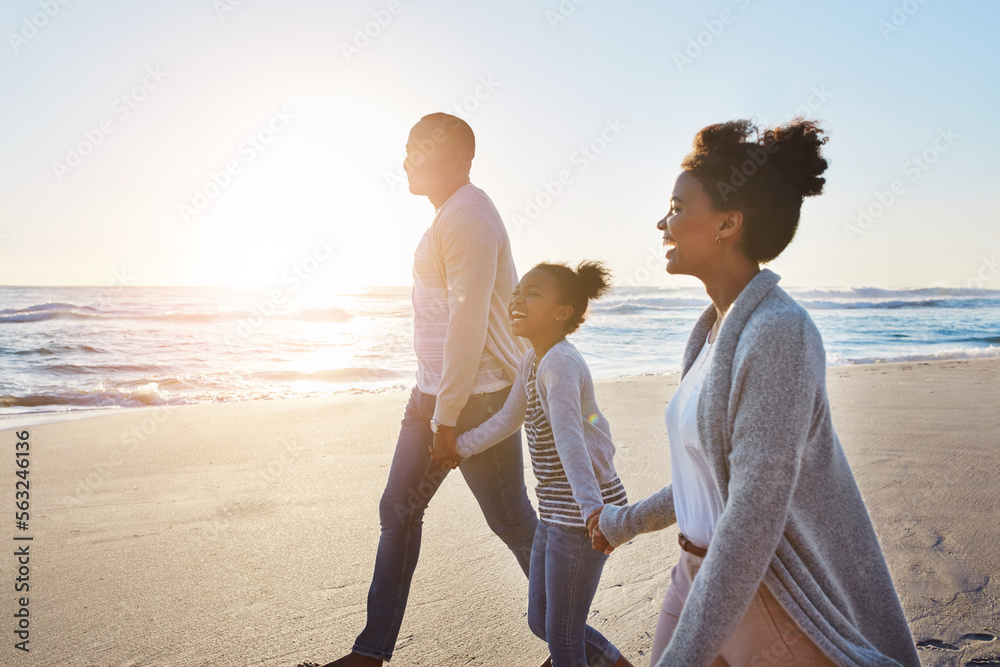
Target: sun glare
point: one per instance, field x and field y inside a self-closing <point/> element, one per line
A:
<point x="326" y="209"/>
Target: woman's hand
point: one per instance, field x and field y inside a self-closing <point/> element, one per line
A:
<point x="597" y="539"/>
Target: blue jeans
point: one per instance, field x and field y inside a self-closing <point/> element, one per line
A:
<point x="565" y="571"/>
<point x="496" y="479"/>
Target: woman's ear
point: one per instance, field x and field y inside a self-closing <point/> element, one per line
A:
<point x="732" y="223"/>
<point x="563" y="313"/>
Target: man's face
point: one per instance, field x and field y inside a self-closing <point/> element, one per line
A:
<point x="430" y="159"/>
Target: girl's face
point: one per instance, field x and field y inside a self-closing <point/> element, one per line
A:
<point x="536" y="309"/>
<point x="690" y="228"/>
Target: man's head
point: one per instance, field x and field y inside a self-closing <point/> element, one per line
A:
<point x="439" y="152"/>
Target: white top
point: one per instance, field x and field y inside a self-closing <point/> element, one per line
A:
<point x="463" y="276"/>
<point x="697" y="500"/>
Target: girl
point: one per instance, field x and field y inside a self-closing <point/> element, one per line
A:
<point x="789" y="570"/>
<point x="571" y="454"/>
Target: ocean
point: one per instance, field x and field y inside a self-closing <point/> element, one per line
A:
<point x="78" y="348"/>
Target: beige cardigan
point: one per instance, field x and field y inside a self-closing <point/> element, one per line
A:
<point x="793" y="516"/>
<point x="463" y="275"/>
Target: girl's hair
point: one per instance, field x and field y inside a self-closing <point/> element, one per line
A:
<point x="763" y="172"/>
<point x="576" y="288"/>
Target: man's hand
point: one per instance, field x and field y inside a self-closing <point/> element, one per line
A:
<point x="444" y="451"/>
<point x="597" y="539"/>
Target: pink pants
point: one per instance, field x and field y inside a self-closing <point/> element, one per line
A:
<point x="765" y="636"/>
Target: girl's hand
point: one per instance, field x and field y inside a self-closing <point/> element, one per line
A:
<point x="444" y="451"/>
<point x="597" y="539"/>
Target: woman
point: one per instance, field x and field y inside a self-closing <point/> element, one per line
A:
<point x="789" y="570"/>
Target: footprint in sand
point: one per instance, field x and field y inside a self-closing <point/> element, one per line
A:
<point x="964" y="640"/>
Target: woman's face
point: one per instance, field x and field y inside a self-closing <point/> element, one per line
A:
<point x="690" y="228"/>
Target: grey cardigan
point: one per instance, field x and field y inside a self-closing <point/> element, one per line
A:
<point x="581" y="432"/>
<point x="792" y="513"/>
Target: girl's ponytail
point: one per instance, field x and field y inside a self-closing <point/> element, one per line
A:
<point x="591" y="280"/>
<point x="594" y="279"/>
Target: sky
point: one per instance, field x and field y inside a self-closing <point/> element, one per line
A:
<point x="228" y="142"/>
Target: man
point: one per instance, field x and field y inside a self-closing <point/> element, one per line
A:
<point x="463" y="276"/>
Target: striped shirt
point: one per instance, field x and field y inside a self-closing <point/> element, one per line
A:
<point x="556" y="504"/>
<point x="575" y="468"/>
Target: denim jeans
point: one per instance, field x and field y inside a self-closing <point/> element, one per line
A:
<point x="495" y="477"/>
<point x="565" y="571"/>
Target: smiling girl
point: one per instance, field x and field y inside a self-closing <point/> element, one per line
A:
<point x="571" y="454"/>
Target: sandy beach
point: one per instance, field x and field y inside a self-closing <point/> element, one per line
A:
<point x="245" y="533"/>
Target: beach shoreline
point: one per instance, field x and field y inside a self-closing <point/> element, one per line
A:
<point x="18" y="420"/>
<point x="245" y="532"/>
<point x="66" y="349"/>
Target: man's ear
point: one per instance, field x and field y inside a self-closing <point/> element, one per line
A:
<point x="461" y="161"/>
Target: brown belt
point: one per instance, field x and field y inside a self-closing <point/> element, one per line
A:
<point x="690" y="547"/>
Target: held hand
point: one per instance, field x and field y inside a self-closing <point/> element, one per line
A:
<point x="600" y="543"/>
<point x="597" y="539"/>
<point x="445" y="450"/>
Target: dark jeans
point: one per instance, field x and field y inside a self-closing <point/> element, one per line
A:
<point x="496" y="479"/>
<point x="565" y="571"/>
